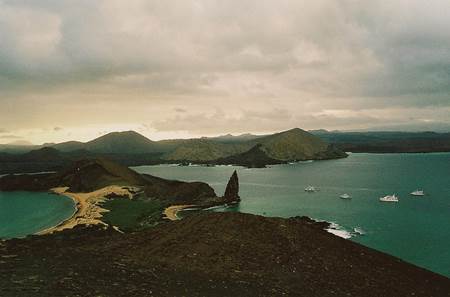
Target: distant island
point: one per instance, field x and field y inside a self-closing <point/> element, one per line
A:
<point x="133" y="149"/>
<point x="387" y="141"/>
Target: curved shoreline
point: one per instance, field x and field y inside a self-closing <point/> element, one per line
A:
<point x="61" y="222"/>
<point x="88" y="211"/>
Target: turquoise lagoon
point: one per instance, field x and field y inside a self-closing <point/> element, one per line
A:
<point x="25" y="213"/>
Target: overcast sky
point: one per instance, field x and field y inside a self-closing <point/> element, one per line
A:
<point x="79" y="69"/>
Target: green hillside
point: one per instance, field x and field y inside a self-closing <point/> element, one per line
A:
<point x="121" y="142"/>
<point x="295" y="144"/>
<point x="69" y="146"/>
<point x="132" y="149"/>
<point x="205" y="150"/>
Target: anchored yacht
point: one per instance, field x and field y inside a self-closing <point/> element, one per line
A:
<point x="310" y="189"/>
<point x="345" y="196"/>
<point x="418" y="193"/>
<point x="389" y="198"/>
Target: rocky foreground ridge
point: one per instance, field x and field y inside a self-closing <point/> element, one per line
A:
<point x="209" y="254"/>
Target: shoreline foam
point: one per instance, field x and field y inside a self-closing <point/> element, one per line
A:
<point x="340" y="231"/>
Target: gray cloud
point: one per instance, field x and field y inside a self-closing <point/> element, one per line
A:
<point x="244" y="121"/>
<point x="193" y="45"/>
<point x="224" y="60"/>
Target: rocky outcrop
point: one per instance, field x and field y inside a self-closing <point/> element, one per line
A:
<point x="232" y="190"/>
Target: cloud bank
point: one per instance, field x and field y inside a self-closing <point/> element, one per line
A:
<point x="222" y="66"/>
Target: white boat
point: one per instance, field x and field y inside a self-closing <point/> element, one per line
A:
<point x="345" y="196"/>
<point x="310" y="189"/>
<point x="389" y="198"/>
<point x="418" y="193"/>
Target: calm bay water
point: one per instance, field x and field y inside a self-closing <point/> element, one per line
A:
<point x="24" y="213"/>
<point x="416" y="229"/>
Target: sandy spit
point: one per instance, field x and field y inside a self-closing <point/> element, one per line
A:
<point x="171" y="211"/>
<point x="88" y="211"/>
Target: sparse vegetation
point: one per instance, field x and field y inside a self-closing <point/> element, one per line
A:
<point x="132" y="215"/>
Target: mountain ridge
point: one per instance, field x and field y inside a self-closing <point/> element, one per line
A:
<point x="132" y="149"/>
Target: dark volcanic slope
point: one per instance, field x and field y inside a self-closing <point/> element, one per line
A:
<point x="254" y="158"/>
<point x="178" y="192"/>
<point x="91" y="174"/>
<point x="215" y="254"/>
<point x="88" y="175"/>
<point x="85" y="175"/>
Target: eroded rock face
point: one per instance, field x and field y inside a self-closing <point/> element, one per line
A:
<point x="232" y="190"/>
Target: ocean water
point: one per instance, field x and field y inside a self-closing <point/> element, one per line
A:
<point x="25" y="213"/>
<point x="416" y="229"/>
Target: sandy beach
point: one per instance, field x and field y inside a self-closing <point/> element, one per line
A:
<point x="88" y="211"/>
<point x="171" y="211"/>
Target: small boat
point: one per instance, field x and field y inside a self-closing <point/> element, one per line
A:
<point x="310" y="189"/>
<point x="389" y="198"/>
<point x="418" y="193"/>
<point x="345" y="196"/>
